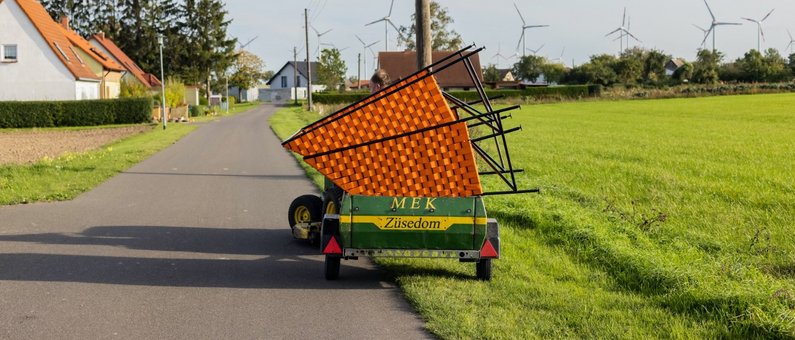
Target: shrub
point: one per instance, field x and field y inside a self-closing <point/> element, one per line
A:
<point x="86" y="113"/>
<point x="132" y="89"/>
<point x="568" y="92"/>
<point x="28" y="114"/>
<point x="198" y="111"/>
<point x="74" y="113"/>
<point x="175" y="92"/>
<point x="133" y="110"/>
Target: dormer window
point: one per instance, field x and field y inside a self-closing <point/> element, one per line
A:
<point x="58" y="47"/>
<point x="8" y="53"/>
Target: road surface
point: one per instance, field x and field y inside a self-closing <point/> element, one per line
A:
<point x="192" y="243"/>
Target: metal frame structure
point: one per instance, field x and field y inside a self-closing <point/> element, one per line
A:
<point x="498" y="159"/>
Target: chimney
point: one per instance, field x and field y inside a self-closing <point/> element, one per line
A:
<point x="65" y="22"/>
<point x="101" y="35"/>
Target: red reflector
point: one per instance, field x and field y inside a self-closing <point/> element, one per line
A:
<point x="332" y="247"/>
<point x="488" y="250"/>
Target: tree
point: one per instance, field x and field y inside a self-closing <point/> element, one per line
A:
<point x="705" y="69"/>
<point x="247" y="71"/>
<point x="529" y="67"/>
<point x="684" y="73"/>
<point x="600" y="70"/>
<point x="776" y="66"/>
<point x="443" y="39"/>
<point x="654" y="66"/>
<point x="554" y="72"/>
<point x="331" y="69"/>
<point x="791" y="64"/>
<point x="491" y="74"/>
<point x="629" y="67"/>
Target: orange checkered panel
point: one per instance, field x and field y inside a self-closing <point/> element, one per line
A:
<point x="434" y="163"/>
<point x="404" y="143"/>
<point x="417" y="106"/>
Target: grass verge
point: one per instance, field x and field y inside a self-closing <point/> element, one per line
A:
<point x="237" y="108"/>
<point x="658" y="218"/>
<point x="66" y="177"/>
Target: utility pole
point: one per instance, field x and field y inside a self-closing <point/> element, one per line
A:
<point x="295" y="75"/>
<point x="308" y="61"/>
<point x="359" y="72"/>
<point x="423" y="33"/>
<point x="162" y="82"/>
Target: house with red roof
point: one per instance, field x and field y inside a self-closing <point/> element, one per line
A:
<point x="41" y="59"/>
<point x="133" y="72"/>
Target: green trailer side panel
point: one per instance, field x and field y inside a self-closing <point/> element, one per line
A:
<point x="382" y="222"/>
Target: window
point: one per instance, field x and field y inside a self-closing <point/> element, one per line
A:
<point x="297" y="81"/>
<point x="77" y="55"/>
<point x="9" y="53"/>
<point x="58" y="47"/>
<point x="284" y="81"/>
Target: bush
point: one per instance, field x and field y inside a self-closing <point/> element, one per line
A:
<point x="27" y="114"/>
<point x="203" y="101"/>
<point x="198" y="111"/>
<point x="175" y="92"/>
<point x="74" y="113"/>
<point x="133" y="110"/>
<point x="132" y="89"/>
<point x="86" y="113"/>
<point x="568" y="92"/>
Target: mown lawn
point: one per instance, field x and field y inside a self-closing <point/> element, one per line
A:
<point x="657" y="218"/>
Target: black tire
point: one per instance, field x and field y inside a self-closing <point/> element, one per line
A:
<point x="332" y="267"/>
<point x="332" y="200"/>
<point x="305" y="209"/>
<point x="483" y="270"/>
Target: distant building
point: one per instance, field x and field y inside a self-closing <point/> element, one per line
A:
<point x="506" y="75"/>
<point x="672" y="65"/>
<point x="41" y="59"/>
<point x="133" y="72"/>
<point x="402" y="64"/>
<point x="284" y="87"/>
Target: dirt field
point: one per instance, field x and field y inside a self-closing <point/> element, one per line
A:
<point x="28" y="146"/>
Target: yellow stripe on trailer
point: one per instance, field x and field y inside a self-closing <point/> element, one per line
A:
<point x="440" y="223"/>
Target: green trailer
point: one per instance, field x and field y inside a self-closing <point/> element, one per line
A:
<point x="401" y="175"/>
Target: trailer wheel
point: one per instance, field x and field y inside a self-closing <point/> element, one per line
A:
<point x="332" y="267"/>
<point x="483" y="270"/>
<point x="305" y="209"/>
<point x="332" y="200"/>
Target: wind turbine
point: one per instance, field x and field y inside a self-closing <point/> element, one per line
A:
<point x="498" y="55"/>
<point x="535" y="51"/>
<point x="365" y="46"/>
<point x="760" y="35"/>
<point x="703" y="30"/>
<point x="317" y="51"/>
<point x="560" y="58"/>
<point x="387" y="21"/>
<point x="715" y="23"/>
<point x="525" y="26"/>
<point x="242" y="46"/>
<point x="791" y="42"/>
<point x="334" y="46"/>
<point x="623" y="31"/>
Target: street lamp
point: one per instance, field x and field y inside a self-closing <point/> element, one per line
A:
<point x="162" y="83"/>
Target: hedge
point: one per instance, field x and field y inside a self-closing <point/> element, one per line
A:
<point x="75" y="113"/>
<point x="575" y="91"/>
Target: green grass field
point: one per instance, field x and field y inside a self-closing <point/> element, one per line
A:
<point x="657" y="218"/>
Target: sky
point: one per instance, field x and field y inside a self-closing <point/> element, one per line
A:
<point x="577" y="28"/>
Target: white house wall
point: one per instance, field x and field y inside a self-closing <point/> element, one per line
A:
<point x="38" y="74"/>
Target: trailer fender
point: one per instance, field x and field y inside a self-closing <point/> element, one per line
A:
<point x="330" y="235"/>
<point x="491" y="246"/>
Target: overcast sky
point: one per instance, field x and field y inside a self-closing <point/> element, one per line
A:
<point x="578" y="26"/>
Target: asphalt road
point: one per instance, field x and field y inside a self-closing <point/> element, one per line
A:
<point x="192" y="243"/>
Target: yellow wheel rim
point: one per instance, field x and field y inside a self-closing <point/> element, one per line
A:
<point x="302" y="215"/>
<point x="331" y="208"/>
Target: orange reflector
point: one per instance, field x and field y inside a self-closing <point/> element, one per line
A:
<point x="332" y="247"/>
<point x="488" y="250"/>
